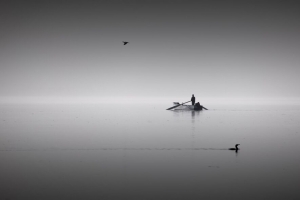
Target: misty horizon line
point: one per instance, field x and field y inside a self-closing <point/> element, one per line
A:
<point x="145" y="99"/>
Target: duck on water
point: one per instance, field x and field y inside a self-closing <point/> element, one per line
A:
<point x="236" y="148"/>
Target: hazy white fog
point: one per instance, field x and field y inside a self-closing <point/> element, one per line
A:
<point x="213" y="49"/>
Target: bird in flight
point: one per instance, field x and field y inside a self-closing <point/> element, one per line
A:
<point x="124" y="42"/>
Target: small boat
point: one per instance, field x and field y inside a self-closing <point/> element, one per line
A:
<point x="197" y="106"/>
<point x="181" y="106"/>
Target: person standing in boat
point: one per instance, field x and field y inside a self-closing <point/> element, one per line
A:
<point x="193" y="99"/>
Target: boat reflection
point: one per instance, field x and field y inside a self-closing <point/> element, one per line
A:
<point x="185" y="113"/>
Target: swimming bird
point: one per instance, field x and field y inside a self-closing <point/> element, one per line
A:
<point x="124" y="42"/>
<point x="236" y="147"/>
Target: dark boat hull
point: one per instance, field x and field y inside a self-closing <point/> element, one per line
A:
<point x="189" y="107"/>
<point x="197" y="106"/>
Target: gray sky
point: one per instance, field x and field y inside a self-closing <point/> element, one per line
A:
<point x="176" y="48"/>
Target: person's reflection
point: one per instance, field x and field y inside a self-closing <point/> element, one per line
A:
<point x="194" y="113"/>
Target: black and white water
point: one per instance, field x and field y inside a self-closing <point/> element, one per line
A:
<point x="96" y="151"/>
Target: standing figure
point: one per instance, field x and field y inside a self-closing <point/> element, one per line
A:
<point x="193" y="99"/>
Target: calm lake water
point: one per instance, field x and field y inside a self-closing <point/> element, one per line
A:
<point x="96" y="151"/>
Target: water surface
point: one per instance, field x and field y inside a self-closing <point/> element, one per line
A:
<point x="96" y="151"/>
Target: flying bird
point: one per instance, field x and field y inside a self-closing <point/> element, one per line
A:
<point x="124" y="42"/>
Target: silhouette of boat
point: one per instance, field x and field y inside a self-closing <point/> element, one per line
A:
<point x="197" y="106"/>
